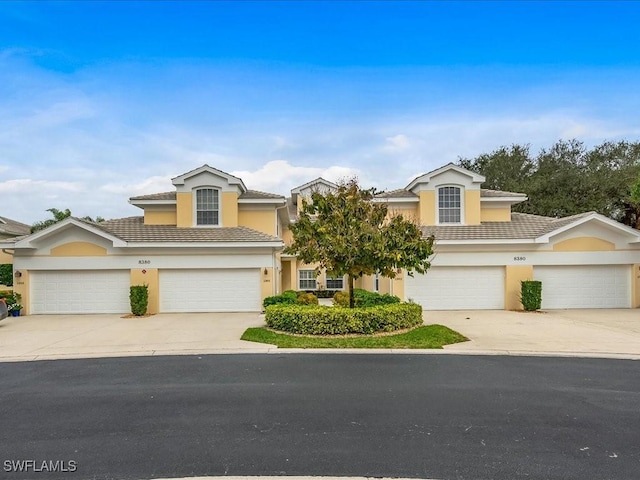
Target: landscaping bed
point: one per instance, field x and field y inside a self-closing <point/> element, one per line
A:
<point x="426" y="336"/>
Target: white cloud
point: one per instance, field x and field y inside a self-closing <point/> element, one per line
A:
<point x="280" y="176"/>
<point x="155" y="184"/>
<point x="396" y="144"/>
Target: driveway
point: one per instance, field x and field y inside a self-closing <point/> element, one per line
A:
<point x="39" y="337"/>
<point x="586" y="333"/>
<point x="593" y="333"/>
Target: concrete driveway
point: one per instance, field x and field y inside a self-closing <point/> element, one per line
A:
<point x="40" y="337"/>
<point x="592" y="333"/>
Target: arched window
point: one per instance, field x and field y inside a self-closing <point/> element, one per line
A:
<point x="449" y="205"/>
<point x="207" y="206"/>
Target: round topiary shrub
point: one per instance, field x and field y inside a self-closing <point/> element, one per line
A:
<point x="307" y="299"/>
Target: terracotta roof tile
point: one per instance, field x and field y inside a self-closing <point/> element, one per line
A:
<point x="156" y="196"/>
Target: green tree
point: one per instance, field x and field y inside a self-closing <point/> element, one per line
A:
<point x="567" y="178"/>
<point x="348" y="234"/>
<point x="58" y="216"/>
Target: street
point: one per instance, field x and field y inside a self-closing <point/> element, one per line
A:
<point x="423" y="416"/>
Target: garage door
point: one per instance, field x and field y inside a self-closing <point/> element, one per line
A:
<point x="218" y="290"/>
<point x="458" y="288"/>
<point x="585" y="286"/>
<point x="105" y="291"/>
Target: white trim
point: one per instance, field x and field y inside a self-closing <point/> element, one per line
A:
<point x="594" y="216"/>
<point x="396" y="200"/>
<point x="461" y="190"/>
<point x="272" y="244"/>
<point x="231" y="180"/>
<point x="280" y="201"/>
<point x="426" y="177"/>
<point x="27" y="242"/>
<point x="503" y="199"/>
<point x="315" y="279"/>
<point x="152" y="202"/>
<point x="194" y="193"/>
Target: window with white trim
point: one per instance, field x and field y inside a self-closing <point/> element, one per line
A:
<point x="449" y="205"/>
<point x="306" y="279"/>
<point x="207" y="206"/>
<point x="336" y="283"/>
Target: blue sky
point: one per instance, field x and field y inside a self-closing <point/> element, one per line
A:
<point x="100" y="101"/>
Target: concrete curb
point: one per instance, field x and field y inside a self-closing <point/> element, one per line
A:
<point x="323" y="351"/>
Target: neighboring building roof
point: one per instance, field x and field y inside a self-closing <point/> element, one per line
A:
<point x="13" y="228"/>
<point x="133" y="229"/>
<point x="522" y="226"/>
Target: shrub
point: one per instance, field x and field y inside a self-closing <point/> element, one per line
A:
<point x="307" y="299"/>
<point x="322" y="293"/>
<point x="323" y="320"/>
<point x="286" y="297"/>
<point x="6" y="274"/>
<point x="531" y="295"/>
<point x="139" y="299"/>
<point x="364" y="298"/>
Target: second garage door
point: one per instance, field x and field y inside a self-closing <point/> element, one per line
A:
<point x="210" y="290"/>
<point x="458" y="288"/>
<point x="585" y="286"/>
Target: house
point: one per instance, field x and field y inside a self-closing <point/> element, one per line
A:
<point x="214" y="245"/>
<point x="10" y="229"/>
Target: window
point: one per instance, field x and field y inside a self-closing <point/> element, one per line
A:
<point x="207" y="207"/>
<point x="335" y="283"/>
<point x="307" y="280"/>
<point x="449" y="205"/>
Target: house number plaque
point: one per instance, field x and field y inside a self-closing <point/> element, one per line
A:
<point x="519" y="259"/>
<point x="144" y="262"/>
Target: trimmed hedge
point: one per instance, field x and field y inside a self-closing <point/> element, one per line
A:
<point x="6" y="274"/>
<point x="139" y="299"/>
<point x="291" y="297"/>
<point x="531" y="295"/>
<point x="364" y="298"/>
<point x="324" y="320"/>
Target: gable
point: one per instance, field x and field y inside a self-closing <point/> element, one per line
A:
<point x="597" y="233"/>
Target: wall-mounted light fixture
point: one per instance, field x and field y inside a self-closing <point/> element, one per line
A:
<point x="18" y="274"/>
<point x="266" y="272"/>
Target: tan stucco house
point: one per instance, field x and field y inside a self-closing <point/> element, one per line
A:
<point x="214" y="245"/>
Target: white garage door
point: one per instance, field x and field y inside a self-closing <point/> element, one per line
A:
<point x="458" y="288"/>
<point x="585" y="286"/>
<point x="78" y="291"/>
<point x="218" y="290"/>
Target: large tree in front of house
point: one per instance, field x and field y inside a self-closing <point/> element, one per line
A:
<point x="346" y="233"/>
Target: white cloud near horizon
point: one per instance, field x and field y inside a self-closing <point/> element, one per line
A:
<point x="89" y="140"/>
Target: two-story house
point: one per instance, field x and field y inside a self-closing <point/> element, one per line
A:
<point x="213" y="245"/>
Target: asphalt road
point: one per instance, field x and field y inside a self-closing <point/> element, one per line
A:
<point x="427" y="416"/>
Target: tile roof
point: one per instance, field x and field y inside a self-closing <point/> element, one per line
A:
<point x="132" y="229"/>
<point x="256" y="194"/>
<point x="399" y="193"/>
<point x="156" y="196"/>
<point x="485" y="192"/>
<point x="13" y="228"/>
<point x="522" y="226"/>
<point x="249" y="194"/>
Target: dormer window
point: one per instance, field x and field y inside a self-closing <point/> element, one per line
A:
<point x="449" y="205"/>
<point x="207" y="206"/>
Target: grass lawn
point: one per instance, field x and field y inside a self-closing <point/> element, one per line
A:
<point x="428" y="336"/>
